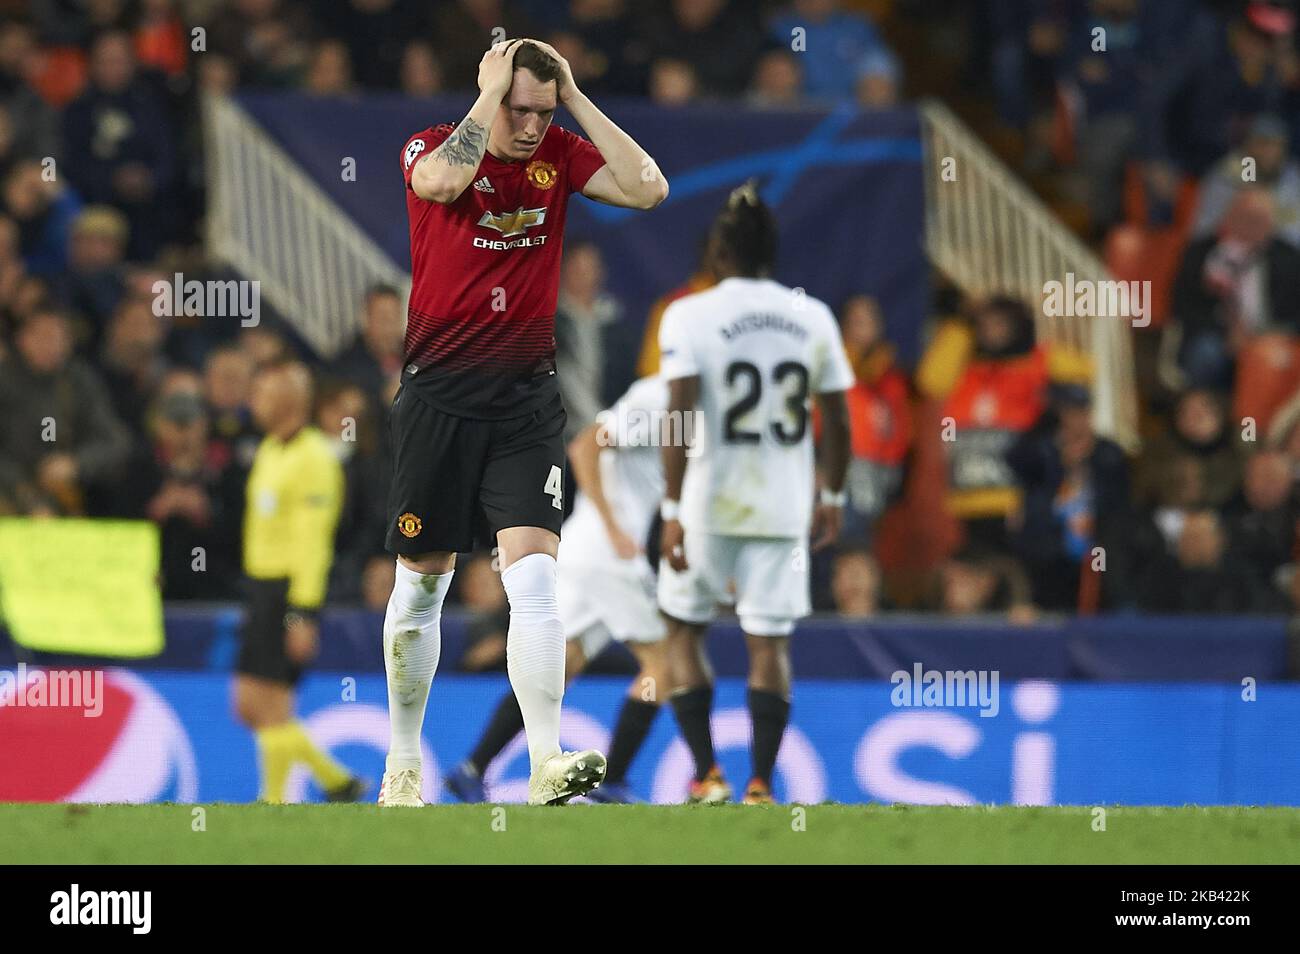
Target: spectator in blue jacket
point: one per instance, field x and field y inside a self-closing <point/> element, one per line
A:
<point x="95" y="280"/>
<point x="1076" y="492"/>
<point x="44" y="210"/>
<point x="843" y="57"/>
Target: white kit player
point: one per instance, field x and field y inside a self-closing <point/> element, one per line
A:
<point x="750" y="355"/>
<point x="604" y="583"/>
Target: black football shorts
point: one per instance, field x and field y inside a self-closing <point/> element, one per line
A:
<point x="262" y="651"/>
<point x="459" y="480"/>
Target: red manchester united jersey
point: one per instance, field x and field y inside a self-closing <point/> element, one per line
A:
<point x="485" y="270"/>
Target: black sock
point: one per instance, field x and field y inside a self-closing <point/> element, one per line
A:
<point x="769" y="714"/>
<point x="634" y="722"/>
<point x="507" y="722"/>
<point x="692" y="709"/>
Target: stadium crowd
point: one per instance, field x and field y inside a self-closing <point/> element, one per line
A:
<point x="101" y="196"/>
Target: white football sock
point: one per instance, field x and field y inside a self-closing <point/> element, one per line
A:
<point x="535" y="651"/>
<point x="412" y="643"/>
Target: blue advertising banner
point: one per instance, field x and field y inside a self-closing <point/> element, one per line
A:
<point x="1099" y="648"/>
<point x="846" y="187"/>
<point x="170" y="736"/>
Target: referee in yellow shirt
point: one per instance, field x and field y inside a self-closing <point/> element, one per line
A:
<point x="295" y="493"/>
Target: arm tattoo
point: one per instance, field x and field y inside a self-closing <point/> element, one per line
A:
<point x="465" y="146"/>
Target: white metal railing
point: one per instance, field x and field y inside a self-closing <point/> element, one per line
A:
<point x="270" y="221"/>
<point x="990" y="234"/>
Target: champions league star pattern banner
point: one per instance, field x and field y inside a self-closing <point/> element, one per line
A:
<point x="846" y="187"/>
<point x="1119" y="648"/>
<point x="170" y="737"/>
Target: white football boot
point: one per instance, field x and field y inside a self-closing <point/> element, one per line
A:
<point x="564" y="775"/>
<point x="401" y="789"/>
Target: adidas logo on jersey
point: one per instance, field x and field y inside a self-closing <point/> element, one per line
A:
<point x="484" y="186"/>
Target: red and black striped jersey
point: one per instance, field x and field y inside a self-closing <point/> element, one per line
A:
<point x="485" y="275"/>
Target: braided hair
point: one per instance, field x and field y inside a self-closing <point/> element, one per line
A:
<point x="745" y="232"/>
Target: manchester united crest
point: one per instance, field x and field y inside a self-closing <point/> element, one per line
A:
<point x="409" y="525"/>
<point x="541" y="174"/>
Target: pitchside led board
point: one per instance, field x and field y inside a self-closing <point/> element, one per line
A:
<point x="169" y="736"/>
<point x="81" y="587"/>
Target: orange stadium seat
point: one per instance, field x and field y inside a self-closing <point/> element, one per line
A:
<point x="1137" y="251"/>
<point x="916" y="535"/>
<point x="61" y="76"/>
<point x="1268" y="374"/>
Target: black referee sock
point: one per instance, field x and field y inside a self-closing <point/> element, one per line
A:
<point x="634" y="722"/>
<point x="507" y="722"/>
<point x="692" y="709"/>
<point x="768" y="713"/>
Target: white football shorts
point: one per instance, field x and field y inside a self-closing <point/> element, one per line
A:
<point x="766" y="577"/>
<point x="598" y="604"/>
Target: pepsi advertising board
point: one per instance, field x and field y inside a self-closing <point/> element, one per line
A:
<point x="170" y="736"/>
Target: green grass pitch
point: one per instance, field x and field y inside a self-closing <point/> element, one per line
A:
<point x="594" y="834"/>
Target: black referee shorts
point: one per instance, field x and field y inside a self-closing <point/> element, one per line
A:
<point x="459" y="480"/>
<point x="261" y="640"/>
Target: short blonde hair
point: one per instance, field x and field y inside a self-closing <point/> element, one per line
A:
<point x="102" y="220"/>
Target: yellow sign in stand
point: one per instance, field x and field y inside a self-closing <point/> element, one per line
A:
<point x="84" y="587"/>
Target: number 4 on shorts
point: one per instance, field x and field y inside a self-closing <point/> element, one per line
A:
<point x="555" y="487"/>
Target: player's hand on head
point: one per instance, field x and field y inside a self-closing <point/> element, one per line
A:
<point x="496" y="70"/>
<point x="826" y="526"/>
<point x="672" y="545"/>
<point x="567" y="87"/>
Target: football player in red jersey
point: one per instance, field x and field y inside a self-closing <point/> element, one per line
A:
<point x="477" y="424"/>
